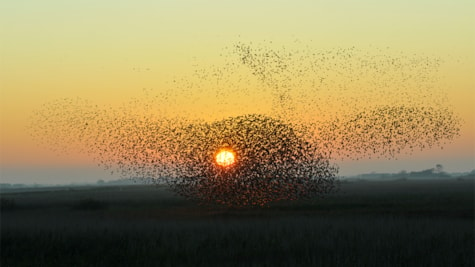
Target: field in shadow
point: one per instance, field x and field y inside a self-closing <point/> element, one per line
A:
<point x="390" y="223"/>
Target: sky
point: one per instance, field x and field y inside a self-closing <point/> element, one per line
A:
<point x="109" y="51"/>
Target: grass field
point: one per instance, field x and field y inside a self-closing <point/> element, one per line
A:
<point x="391" y="223"/>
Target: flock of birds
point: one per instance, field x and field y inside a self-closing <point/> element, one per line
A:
<point x="273" y="162"/>
<point x="286" y="113"/>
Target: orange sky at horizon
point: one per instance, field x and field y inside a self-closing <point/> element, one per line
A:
<point x="109" y="52"/>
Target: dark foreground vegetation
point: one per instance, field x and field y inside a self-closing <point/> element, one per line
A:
<point x="391" y="223"/>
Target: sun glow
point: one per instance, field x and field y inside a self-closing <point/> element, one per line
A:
<point x="225" y="157"/>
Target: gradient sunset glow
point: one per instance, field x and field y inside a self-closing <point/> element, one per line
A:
<point x="175" y="54"/>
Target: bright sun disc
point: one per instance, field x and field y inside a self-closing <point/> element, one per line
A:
<point x="225" y="157"/>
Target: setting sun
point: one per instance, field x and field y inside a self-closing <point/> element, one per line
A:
<point x="225" y="157"/>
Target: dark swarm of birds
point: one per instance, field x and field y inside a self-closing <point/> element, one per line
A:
<point x="273" y="162"/>
<point x="286" y="113"/>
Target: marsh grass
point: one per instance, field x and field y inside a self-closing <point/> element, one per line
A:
<point x="89" y="204"/>
<point x="403" y="226"/>
<point x="7" y="204"/>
